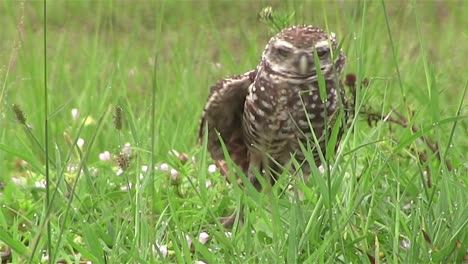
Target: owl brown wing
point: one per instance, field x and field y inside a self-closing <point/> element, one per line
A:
<point x="223" y="114"/>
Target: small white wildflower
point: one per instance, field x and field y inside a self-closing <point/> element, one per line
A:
<point x="164" y="167"/>
<point x="105" y="156"/>
<point x="80" y="143"/>
<point x="189" y="240"/>
<point x="405" y="244"/>
<point x="228" y="234"/>
<point x="216" y="66"/>
<point x="321" y="169"/>
<point x="208" y="184"/>
<point x="40" y="184"/>
<point x="127" y="149"/>
<point x="408" y="205"/>
<point x="45" y="257"/>
<point x="16" y="180"/>
<point x="212" y="168"/>
<point x="126" y="187"/>
<point x="203" y="237"/>
<point x="194" y="159"/>
<point x="89" y="262"/>
<point x="144" y="168"/>
<point x="162" y="249"/>
<point x="175" y="177"/>
<point x="141" y="176"/>
<point x="71" y="168"/>
<point x="119" y="172"/>
<point x="75" y="114"/>
<point x="200" y="262"/>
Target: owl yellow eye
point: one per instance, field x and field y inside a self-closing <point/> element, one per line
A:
<point x="283" y="52"/>
<point x="322" y="52"/>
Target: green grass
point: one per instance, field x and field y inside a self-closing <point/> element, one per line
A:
<point x="374" y="203"/>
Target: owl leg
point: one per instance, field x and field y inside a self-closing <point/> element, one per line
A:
<point x="228" y="221"/>
<point x="255" y="166"/>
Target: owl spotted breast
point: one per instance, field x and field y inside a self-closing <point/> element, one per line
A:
<point x="264" y="115"/>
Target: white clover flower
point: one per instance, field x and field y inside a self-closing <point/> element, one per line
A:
<point x="162" y="249"/>
<point x="212" y="168"/>
<point x="45" y="257"/>
<point x="321" y="169"/>
<point x="127" y="149"/>
<point x="119" y="172"/>
<point x="16" y="181"/>
<point x="80" y="143"/>
<point x="126" y="187"/>
<point x="144" y="168"/>
<point x="75" y="114"/>
<point x="405" y="244"/>
<point x="175" y="180"/>
<point x="40" y="184"/>
<point x="105" y="156"/>
<point x="203" y="237"/>
<point x="208" y="184"/>
<point x="164" y="167"/>
<point x="71" y="168"/>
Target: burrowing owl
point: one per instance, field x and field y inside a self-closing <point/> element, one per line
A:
<point x="264" y="115"/>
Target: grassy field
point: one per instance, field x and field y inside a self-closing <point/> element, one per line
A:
<point x="389" y="198"/>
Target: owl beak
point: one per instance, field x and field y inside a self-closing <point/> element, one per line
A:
<point x="304" y="64"/>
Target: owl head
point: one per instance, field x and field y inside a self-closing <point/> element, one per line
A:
<point x="291" y="52"/>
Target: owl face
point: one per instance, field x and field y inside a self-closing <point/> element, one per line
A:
<point x="291" y="52"/>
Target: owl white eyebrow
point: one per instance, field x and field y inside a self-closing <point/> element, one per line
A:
<point x="283" y="43"/>
<point x="321" y="44"/>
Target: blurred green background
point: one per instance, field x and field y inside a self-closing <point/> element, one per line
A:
<point x="101" y="52"/>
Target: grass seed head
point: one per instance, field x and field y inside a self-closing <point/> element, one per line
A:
<point x="19" y="114"/>
<point x="183" y="158"/>
<point x="118" y="117"/>
<point x="350" y="79"/>
<point x="123" y="161"/>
